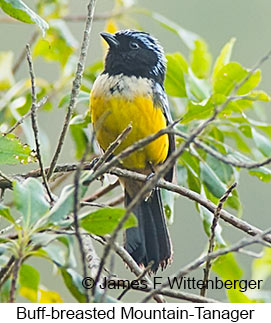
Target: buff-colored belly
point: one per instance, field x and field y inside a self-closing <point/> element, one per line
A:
<point x="112" y="115"/>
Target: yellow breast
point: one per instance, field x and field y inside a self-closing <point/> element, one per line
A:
<point x="119" y="100"/>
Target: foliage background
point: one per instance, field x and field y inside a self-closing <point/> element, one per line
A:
<point x="216" y="22"/>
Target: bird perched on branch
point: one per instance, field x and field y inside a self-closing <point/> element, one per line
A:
<point x="130" y="91"/>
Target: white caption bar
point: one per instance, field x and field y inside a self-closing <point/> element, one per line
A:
<point x="220" y="312"/>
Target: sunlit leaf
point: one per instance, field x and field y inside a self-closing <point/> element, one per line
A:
<point x="104" y="221"/>
<point x="223" y="58"/>
<point x="58" y="45"/>
<point x="29" y="279"/>
<point x="49" y="296"/>
<point x="201" y="59"/>
<point x="198" y="111"/>
<point x="228" y="269"/>
<point x="174" y="82"/>
<point x="20" y="11"/>
<point x="6" y="76"/>
<point x="12" y="151"/>
<point x="228" y="77"/>
<point x="5" y="213"/>
<point x="261" y="267"/>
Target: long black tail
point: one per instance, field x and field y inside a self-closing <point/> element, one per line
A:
<point x="150" y="240"/>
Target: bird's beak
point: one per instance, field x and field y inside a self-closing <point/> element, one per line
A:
<point x="110" y="39"/>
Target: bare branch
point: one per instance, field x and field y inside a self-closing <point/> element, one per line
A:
<point x="226" y="216"/>
<point x="75" y="87"/>
<point x="212" y="236"/>
<point x="35" y="122"/>
<point x="101" y="192"/>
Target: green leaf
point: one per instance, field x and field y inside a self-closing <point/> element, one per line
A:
<point x="30" y="201"/>
<point x="5" y="213"/>
<point x="196" y="88"/>
<point x="223" y="171"/>
<point x="6" y="76"/>
<point x="207" y="218"/>
<point x="105" y="220"/>
<point x="228" y="269"/>
<point x="263" y="173"/>
<point x="92" y="71"/>
<point x="233" y="74"/>
<point x="187" y="36"/>
<point x="174" y="82"/>
<point x="73" y="282"/>
<point x="262" y="143"/>
<point x="64" y="204"/>
<point x="261" y="267"/>
<point x="168" y="202"/>
<point x="58" y="45"/>
<point x="12" y="151"/>
<point x="197" y="111"/>
<point x="223" y="58"/>
<point x="78" y="128"/>
<point x="211" y="180"/>
<point x="253" y="81"/>
<point x="201" y="59"/>
<point x="82" y="97"/>
<point x="29" y="279"/>
<point x="228" y="77"/>
<point x="20" y="11"/>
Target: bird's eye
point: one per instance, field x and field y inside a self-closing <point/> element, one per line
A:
<point x="134" y="45"/>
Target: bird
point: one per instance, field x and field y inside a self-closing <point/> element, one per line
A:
<point x="130" y="91"/>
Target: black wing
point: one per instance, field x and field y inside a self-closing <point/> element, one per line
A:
<point x="160" y="99"/>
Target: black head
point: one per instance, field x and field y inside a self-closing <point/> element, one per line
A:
<point x="134" y="53"/>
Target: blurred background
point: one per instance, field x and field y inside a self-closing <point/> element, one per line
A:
<point x="216" y="21"/>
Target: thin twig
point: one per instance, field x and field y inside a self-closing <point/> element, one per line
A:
<point x="28" y="114"/>
<point x="76" y="85"/>
<point x="23" y="53"/>
<point x="35" y="122"/>
<point x="112" y="147"/>
<point x="216" y="217"/>
<point x="201" y="260"/>
<point x="6" y="177"/>
<point x="101" y="192"/>
<point x="15" y="272"/>
<point x="138" y="278"/>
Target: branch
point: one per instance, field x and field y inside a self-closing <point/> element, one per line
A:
<point x="35" y="122"/>
<point x="76" y="85"/>
<point x="212" y="236"/>
<point x="221" y="157"/>
<point x="101" y="192"/>
<point x="226" y="216"/>
<point x="201" y="260"/>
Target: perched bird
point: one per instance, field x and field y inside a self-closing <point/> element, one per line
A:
<point x="130" y="91"/>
